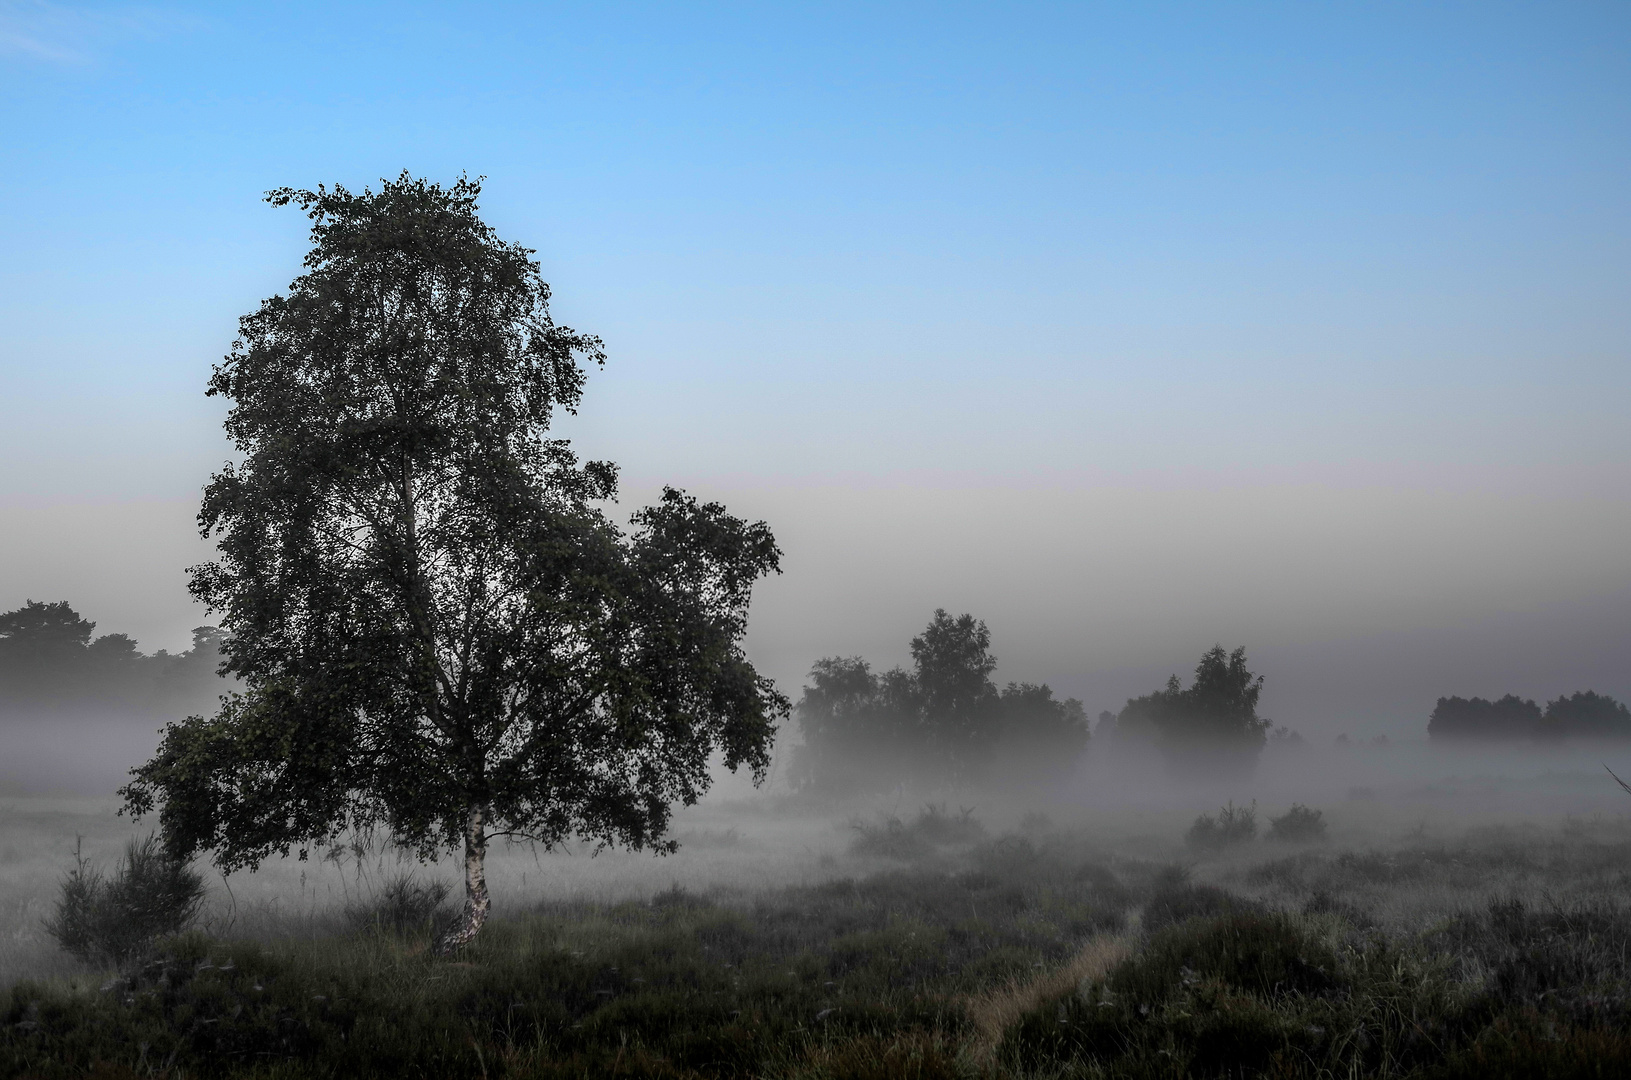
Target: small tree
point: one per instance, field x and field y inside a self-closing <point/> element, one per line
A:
<point x="151" y="895"/>
<point x="438" y="632"/>
<point x="961" y="706"/>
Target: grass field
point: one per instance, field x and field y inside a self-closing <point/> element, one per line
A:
<point x="784" y="942"/>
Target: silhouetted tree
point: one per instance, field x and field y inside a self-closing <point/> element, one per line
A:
<point x="438" y="632"/>
<point x="1587" y="715"/>
<point x="858" y="727"/>
<point x="1039" y="733"/>
<point x="1212" y="721"/>
<point x="960" y="705"/>
<point x="944" y="720"/>
<point x="50" y="665"/>
<point x="43" y="655"/>
<point x="1510" y="717"/>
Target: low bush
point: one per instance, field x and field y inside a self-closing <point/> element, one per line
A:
<point x="939" y="827"/>
<point x="1229" y="826"/>
<point x="890" y="838"/>
<point x="1299" y="825"/>
<point x="403" y="905"/>
<point x="150" y="896"/>
<point x="933" y="828"/>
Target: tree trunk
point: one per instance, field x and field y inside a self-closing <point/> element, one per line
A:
<point x="476" y="901"/>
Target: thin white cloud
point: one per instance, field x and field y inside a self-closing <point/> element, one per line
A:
<point x="64" y="34"/>
<point x="13" y="42"/>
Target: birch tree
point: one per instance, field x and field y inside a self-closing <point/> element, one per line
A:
<point x="438" y="631"/>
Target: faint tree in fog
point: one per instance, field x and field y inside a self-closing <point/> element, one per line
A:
<point x="1039" y="733"/>
<point x="1584" y="714"/>
<point x="1587" y="714"/>
<point x="50" y="665"/>
<point x="960" y="705"/>
<point x="1212" y="723"/>
<point x="43" y="647"/>
<point x="1510" y="717"/>
<point x="944" y="720"/>
<point x="438" y="631"/>
<point x="858" y="727"/>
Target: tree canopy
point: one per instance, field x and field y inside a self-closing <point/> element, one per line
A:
<point x="1585" y="714"/>
<point x="438" y="631"/>
<point x="944" y="720"/>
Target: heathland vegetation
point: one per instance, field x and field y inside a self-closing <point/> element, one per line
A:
<point x="937" y="947"/>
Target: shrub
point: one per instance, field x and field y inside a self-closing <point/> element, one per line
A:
<point x="403" y="905"/>
<point x="1230" y="826"/>
<point x="937" y="826"/>
<point x="933" y="828"/>
<point x="152" y="895"/>
<point x="1299" y="825"/>
<point x="891" y="839"/>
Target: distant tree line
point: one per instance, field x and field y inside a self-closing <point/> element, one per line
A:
<point x="51" y="665"/>
<point x="945" y="720"/>
<point x="1584" y="714"/>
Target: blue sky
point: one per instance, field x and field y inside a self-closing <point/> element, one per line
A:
<point x="1283" y="324"/>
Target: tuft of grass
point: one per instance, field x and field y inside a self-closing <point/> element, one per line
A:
<point x="404" y="905"/>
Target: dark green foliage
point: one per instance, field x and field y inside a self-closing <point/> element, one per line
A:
<point x="112" y="920"/>
<point x="943" y="720"/>
<point x="1299" y="825"/>
<point x="1265" y="993"/>
<point x="882" y="977"/>
<point x="1534" y="1046"/>
<point x="439" y="633"/>
<point x="1323" y="903"/>
<point x="1572" y="959"/>
<point x="850" y="978"/>
<point x="1211" y="725"/>
<point x="50" y="665"/>
<point x="1230" y="826"/>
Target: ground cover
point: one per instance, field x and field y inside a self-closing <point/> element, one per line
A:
<point x="967" y="952"/>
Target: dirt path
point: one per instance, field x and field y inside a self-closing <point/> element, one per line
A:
<point x="994" y="1012"/>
